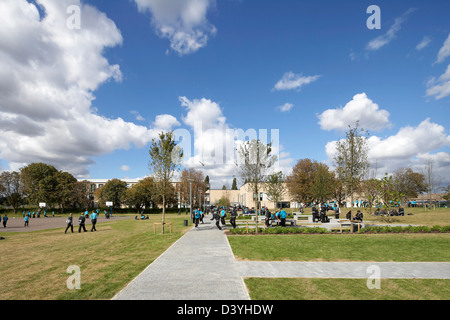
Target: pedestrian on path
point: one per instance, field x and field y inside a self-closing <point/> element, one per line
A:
<point x="197" y="217"/>
<point x="93" y="220"/>
<point x="233" y="217"/>
<point x="223" y="216"/>
<point x="81" y="223"/>
<point x="5" y="219"/>
<point x="27" y="217"/>
<point x="217" y="217"/>
<point x="69" y="222"/>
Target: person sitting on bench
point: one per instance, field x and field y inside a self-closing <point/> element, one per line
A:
<point x="358" y="217"/>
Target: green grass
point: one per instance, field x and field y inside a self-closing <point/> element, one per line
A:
<point x="347" y="289"/>
<point x="34" y="264"/>
<point x="343" y="247"/>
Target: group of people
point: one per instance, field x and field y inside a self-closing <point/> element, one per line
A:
<point x="321" y="216"/>
<point x="82" y="221"/>
<point x="220" y="213"/>
<point x="279" y="217"/>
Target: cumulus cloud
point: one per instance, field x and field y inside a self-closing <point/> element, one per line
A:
<point x="384" y="39"/>
<point x="48" y="75"/>
<point x="292" y="81"/>
<point x="407" y="148"/>
<point x="183" y="22"/>
<point x="361" y="109"/>
<point x="211" y="143"/>
<point x="165" y="122"/>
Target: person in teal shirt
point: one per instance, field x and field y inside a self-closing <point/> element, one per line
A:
<point x="93" y="220"/>
<point x="26" y="220"/>
<point x="197" y="215"/>
<point x="5" y="219"/>
<point x="283" y="217"/>
<point x="222" y="216"/>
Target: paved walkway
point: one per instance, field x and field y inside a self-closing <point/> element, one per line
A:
<point x="201" y="266"/>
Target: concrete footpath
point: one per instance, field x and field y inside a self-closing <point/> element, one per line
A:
<point x="201" y="266"/>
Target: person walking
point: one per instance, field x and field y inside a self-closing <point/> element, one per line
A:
<point x="197" y="215"/>
<point x="93" y="220"/>
<point x="27" y="217"/>
<point x="69" y="222"/>
<point x="222" y="216"/>
<point x="81" y="223"/>
<point x="217" y="217"/>
<point x="267" y="217"/>
<point x="5" y="219"/>
<point x="233" y="217"/>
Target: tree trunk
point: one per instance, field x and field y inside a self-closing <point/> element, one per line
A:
<point x="164" y="213"/>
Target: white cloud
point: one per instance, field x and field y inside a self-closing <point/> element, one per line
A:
<point x="440" y="87"/>
<point x="407" y="148"/>
<point x="125" y="168"/>
<point x="361" y="109"/>
<point x="165" y="122"/>
<point x="444" y="52"/>
<point x="291" y="81"/>
<point x="384" y="39"/>
<point x="137" y="115"/>
<point x="285" y="107"/>
<point x="183" y="22"/>
<point x="48" y="75"/>
<point x="424" y="43"/>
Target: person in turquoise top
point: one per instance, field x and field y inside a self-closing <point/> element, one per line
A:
<point x="26" y="220"/>
<point x="5" y="219"/>
<point x="93" y="220"/>
<point x="197" y="216"/>
<point x="222" y="216"/>
<point x="283" y="217"/>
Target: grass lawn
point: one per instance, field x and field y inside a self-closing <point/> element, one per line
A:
<point x="343" y="247"/>
<point x="34" y="264"/>
<point x="347" y="289"/>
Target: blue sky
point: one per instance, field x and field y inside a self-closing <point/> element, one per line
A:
<point x="231" y="64"/>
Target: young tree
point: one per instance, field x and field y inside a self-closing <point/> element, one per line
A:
<point x="409" y="184"/>
<point x="254" y="164"/>
<point x="275" y="187"/>
<point x="165" y="160"/>
<point x="351" y="159"/>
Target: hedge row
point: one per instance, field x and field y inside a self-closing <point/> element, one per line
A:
<point x="408" y="229"/>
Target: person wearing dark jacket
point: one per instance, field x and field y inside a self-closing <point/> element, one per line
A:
<point x="217" y="217"/>
<point x="81" y="222"/>
<point x="233" y="217"/>
<point x="69" y="222"/>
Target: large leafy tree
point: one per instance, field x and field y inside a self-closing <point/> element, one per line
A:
<point x="165" y="159"/>
<point x="39" y="183"/>
<point x="114" y="190"/>
<point x="141" y="195"/>
<point x="65" y="192"/>
<point x="11" y="188"/>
